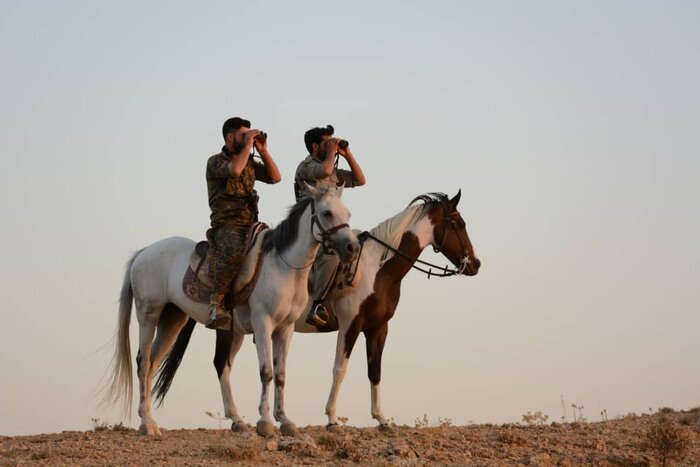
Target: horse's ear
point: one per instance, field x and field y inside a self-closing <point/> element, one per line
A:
<point x="313" y="191"/>
<point x="454" y="201"/>
<point x="339" y="190"/>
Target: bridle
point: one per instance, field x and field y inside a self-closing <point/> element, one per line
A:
<point x="450" y="219"/>
<point x="442" y="271"/>
<point x="325" y="235"/>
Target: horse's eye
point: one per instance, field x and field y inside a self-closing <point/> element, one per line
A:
<point x="327" y="214"/>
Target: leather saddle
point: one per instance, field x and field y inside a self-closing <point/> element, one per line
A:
<point x="197" y="282"/>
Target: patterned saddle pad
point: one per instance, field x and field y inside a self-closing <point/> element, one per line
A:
<point x="197" y="281"/>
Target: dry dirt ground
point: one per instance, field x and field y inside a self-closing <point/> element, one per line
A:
<point x="665" y="438"/>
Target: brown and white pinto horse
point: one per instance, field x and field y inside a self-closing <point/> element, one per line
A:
<point x="388" y="253"/>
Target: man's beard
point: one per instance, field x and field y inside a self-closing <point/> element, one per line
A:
<point x="237" y="147"/>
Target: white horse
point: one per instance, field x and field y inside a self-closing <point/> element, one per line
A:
<point x="154" y="277"/>
<point x="388" y="253"/>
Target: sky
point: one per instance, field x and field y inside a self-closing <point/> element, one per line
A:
<point x="571" y="128"/>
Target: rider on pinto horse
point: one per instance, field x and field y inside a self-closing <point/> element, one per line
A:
<point x="320" y="168"/>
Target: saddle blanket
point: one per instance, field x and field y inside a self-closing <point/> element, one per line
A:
<point x="197" y="281"/>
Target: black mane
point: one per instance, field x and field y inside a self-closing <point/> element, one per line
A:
<point x="286" y="232"/>
<point x="430" y="198"/>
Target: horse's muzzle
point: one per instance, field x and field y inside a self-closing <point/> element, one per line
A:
<point x="469" y="267"/>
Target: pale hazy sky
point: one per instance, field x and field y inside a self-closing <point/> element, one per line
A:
<point x="571" y="128"/>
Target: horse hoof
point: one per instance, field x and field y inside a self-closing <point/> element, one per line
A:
<point x="386" y="428"/>
<point x="333" y="427"/>
<point x="265" y="429"/>
<point x="289" y="429"/>
<point x="239" y="427"/>
<point x="150" y="429"/>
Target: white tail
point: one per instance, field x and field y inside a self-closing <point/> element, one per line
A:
<point x="121" y="387"/>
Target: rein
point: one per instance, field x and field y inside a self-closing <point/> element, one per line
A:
<point x="445" y="271"/>
<point x="442" y="271"/>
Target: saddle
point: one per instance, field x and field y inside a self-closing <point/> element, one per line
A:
<point x="197" y="282"/>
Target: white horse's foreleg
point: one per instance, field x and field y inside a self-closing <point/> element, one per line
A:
<point x="344" y="345"/>
<point x="263" y="345"/>
<point x="227" y="346"/>
<point x="147" y="330"/>
<point x="280" y="348"/>
<point x="375" y="339"/>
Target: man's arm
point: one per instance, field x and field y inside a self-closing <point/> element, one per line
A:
<point x="357" y="174"/>
<point x="328" y="164"/>
<point x="270" y="166"/>
<point x="239" y="161"/>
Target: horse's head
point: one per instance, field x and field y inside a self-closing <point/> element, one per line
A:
<point x="450" y="235"/>
<point x="330" y="223"/>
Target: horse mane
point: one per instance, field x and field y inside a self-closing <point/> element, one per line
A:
<point x="285" y="234"/>
<point x="391" y="230"/>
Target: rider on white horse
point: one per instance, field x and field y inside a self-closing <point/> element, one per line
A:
<point x="320" y="168"/>
<point x="231" y="175"/>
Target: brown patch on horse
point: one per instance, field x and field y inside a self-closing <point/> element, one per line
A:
<point x="379" y="307"/>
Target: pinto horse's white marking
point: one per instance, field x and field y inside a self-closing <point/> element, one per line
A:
<point x="153" y="281"/>
<point x="369" y="306"/>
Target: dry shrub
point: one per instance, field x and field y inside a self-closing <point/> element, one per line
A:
<point x="329" y="441"/>
<point x="668" y="441"/>
<point x="510" y="436"/>
<point x="348" y="449"/>
<point x="39" y="455"/>
<point x="250" y="451"/>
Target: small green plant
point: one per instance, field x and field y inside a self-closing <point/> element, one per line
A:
<point x="444" y="422"/>
<point x="99" y="425"/>
<point x="422" y="422"/>
<point x="578" y="413"/>
<point x="668" y="441"/>
<point x="537" y="418"/>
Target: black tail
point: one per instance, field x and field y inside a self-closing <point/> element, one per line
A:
<point x="170" y="364"/>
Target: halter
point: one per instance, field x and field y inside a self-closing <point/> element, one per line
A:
<point x="325" y="236"/>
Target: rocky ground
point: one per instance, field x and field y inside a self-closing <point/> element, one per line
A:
<point x="665" y="438"/>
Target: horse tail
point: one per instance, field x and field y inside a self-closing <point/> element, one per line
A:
<point x="167" y="369"/>
<point x="121" y="387"/>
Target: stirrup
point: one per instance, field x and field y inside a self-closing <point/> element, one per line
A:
<point x="219" y="319"/>
<point x="314" y="319"/>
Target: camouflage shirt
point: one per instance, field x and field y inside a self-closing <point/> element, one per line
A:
<point x="232" y="200"/>
<point x="310" y="171"/>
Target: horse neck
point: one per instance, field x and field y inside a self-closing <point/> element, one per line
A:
<point x="304" y="248"/>
<point x="410" y="233"/>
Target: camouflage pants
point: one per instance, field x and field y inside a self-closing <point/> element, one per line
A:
<point x="325" y="267"/>
<point x="226" y="251"/>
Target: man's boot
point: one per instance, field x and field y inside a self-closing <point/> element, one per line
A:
<point x="318" y="316"/>
<point x="219" y="318"/>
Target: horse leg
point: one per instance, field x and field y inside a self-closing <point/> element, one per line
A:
<point x="171" y="321"/>
<point x="228" y="343"/>
<point x="263" y="345"/>
<point x="280" y="348"/>
<point x="343" y="349"/>
<point x="375" y="339"/>
<point x="147" y="328"/>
